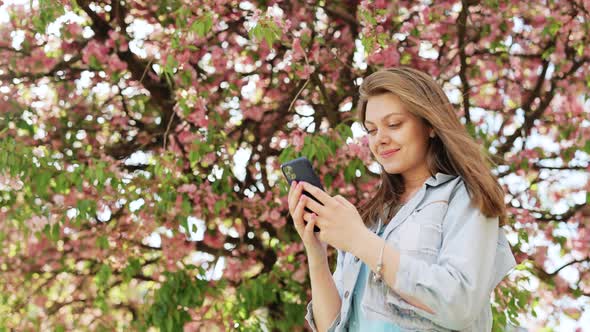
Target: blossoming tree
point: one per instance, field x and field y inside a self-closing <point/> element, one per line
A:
<point x="140" y="143"/>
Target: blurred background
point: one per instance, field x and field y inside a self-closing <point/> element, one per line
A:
<point x="140" y="144"/>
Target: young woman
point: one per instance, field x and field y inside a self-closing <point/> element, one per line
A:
<point x="427" y="251"/>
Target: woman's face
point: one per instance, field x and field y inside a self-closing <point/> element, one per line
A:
<point x="392" y="128"/>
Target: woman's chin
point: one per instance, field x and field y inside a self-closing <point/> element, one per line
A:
<point x="392" y="169"/>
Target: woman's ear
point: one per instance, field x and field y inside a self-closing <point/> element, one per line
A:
<point x="432" y="134"/>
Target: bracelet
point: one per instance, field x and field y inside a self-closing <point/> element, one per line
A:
<point x="378" y="274"/>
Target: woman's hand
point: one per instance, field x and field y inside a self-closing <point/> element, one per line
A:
<point x="313" y="246"/>
<point x="338" y="219"/>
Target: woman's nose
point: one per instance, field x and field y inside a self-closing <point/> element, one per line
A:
<point x="382" y="137"/>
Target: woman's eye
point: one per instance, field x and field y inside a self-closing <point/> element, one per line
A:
<point x="393" y="125"/>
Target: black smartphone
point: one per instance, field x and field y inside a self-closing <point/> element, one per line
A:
<point x="300" y="169"/>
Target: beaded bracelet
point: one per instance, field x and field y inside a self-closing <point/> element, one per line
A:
<point x="377" y="276"/>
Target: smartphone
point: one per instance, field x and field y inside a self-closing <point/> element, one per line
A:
<point x="300" y="169"/>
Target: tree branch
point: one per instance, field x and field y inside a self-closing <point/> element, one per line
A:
<point x="462" y="26"/>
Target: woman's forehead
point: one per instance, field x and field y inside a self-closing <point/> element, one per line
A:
<point x="380" y="108"/>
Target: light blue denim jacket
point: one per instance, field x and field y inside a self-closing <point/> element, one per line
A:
<point x="451" y="259"/>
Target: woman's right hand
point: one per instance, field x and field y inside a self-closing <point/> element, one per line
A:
<point x="312" y="244"/>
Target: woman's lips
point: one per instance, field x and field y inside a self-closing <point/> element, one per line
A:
<point x="388" y="153"/>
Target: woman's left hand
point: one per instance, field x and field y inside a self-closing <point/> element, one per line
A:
<point x="339" y="221"/>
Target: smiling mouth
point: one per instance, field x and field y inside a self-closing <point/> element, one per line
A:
<point x="388" y="153"/>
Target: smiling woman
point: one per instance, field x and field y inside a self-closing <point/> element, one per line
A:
<point x="426" y="251"/>
<point x="390" y="128"/>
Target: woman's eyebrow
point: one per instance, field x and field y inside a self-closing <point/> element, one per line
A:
<point x="385" y="117"/>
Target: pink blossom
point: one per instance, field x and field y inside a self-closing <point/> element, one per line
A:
<point x="58" y="200"/>
<point x="299" y="275"/>
<point x="214" y="241"/>
<point x="120" y="121"/>
<point x="10" y="183"/>
<point x="254" y="113"/>
<point x="561" y="285"/>
<point x="37" y="223"/>
<point x="210" y="158"/>
<point x="234" y="268"/>
<point x="541" y="256"/>
<point x="298" y="52"/>
<point x="74" y="29"/>
<point x="469" y="49"/>
<point x="187" y="188"/>
<point x="115" y="64"/>
<point x="275" y="215"/>
<point x="96" y="50"/>
<point x="183" y="57"/>
<point x="186" y="137"/>
<point x="297" y="140"/>
<point x="305" y="72"/>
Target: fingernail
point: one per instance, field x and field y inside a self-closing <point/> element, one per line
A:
<point x="294" y="183"/>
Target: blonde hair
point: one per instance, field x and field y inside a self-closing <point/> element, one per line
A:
<point x="452" y="151"/>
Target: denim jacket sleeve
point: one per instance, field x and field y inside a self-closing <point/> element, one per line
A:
<point x="337" y="276"/>
<point x="456" y="286"/>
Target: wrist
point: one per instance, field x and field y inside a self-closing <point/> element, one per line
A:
<point x="316" y="260"/>
<point x="365" y="244"/>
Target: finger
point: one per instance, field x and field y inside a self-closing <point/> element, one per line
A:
<point x="298" y="215"/>
<point x="290" y="198"/>
<point x="311" y="222"/>
<point x="296" y="194"/>
<point x="318" y="193"/>
<point x="313" y="205"/>
<point x="291" y="187"/>
<point x="298" y="191"/>
<point x="309" y="216"/>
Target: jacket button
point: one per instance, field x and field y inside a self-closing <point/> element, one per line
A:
<point x="356" y="259"/>
<point x="346" y="294"/>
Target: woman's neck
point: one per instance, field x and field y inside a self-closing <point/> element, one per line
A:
<point x="410" y="190"/>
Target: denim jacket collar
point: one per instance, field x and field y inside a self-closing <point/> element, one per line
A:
<point x="439" y="179"/>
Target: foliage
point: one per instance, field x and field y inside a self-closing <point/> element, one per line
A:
<point x="140" y="145"/>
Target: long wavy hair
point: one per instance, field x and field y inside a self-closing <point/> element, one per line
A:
<point x="452" y="151"/>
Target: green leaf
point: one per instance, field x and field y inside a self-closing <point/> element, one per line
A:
<point x="48" y="12"/>
<point x="368" y="43"/>
<point x="202" y="25"/>
<point x="133" y="268"/>
<point x="580" y="49"/>
<point x="265" y="29"/>
<point x="524" y="164"/>
<point x="554" y="27"/>
<point x="406" y="58"/>
<point x="94" y="63"/>
<point x="179" y="289"/>
<point x="102" y="242"/>
<point x="218" y="206"/>
<point x="286" y="154"/>
<point x="102" y="277"/>
<point x="344" y="131"/>
<point x="328" y="179"/>
<point x="55" y="232"/>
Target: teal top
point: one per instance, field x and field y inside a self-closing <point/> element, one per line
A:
<point x="357" y="321"/>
